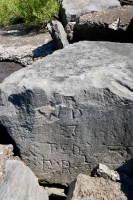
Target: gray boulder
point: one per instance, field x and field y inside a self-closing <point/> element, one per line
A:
<point x="112" y="25"/>
<point x="19" y="182"/>
<point x="58" y="34"/>
<point x="90" y="188"/>
<point x="72" y="10"/>
<point x="72" y="110"/>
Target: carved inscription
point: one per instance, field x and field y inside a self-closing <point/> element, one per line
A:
<point x="65" y="166"/>
<point x="76" y="150"/>
<point x="47" y="165"/>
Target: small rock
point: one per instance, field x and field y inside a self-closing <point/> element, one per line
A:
<point x="103" y="171"/>
<point x="58" y="34"/>
<point x="69" y="30"/>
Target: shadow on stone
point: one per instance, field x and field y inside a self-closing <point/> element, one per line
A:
<point x="126" y="177"/>
<point x="127" y="168"/>
<point x="56" y="197"/>
<point x="129" y="32"/>
<point x="6" y="139"/>
<point x="43" y="50"/>
<point x="101" y="34"/>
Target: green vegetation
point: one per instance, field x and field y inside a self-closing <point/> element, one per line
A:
<point x="29" y="11"/>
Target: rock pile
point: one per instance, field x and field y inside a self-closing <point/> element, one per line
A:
<point x="73" y="109"/>
<point x="76" y="113"/>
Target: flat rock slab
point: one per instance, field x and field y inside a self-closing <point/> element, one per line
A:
<point x="19" y="182"/>
<point x="71" y="10"/>
<point x="23" y="44"/>
<point x="72" y="110"/>
<point x="90" y="188"/>
<point x="114" y="24"/>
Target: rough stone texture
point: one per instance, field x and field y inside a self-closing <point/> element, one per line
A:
<point x="69" y="30"/>
<point x="89" y="188"/>
<point x="103" y="171"/>
<point x="72" y="110"/>
<point x="58" y="34"/>
<point x="6" y="151"/>
<point x="71" y="10"/>
<point x="114" y="24"/>
<point x="19" y="182"/>
<point x="24" y="45"/>
<point x="55" y="193"/>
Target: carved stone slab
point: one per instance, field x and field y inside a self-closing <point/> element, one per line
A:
<point x="72" y="110"/>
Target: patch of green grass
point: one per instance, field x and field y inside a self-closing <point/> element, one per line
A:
<point x="30" y="11"/>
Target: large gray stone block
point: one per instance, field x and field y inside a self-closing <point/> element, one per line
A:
<point x="72" y="110"/>
<point x="19" y="182"/>
<point x="110" y="25"/>
<point x="71" y="10"/>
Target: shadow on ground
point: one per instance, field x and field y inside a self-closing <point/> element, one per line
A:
<point x="44" y="50"/>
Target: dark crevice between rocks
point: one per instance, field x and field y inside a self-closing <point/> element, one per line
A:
<point x="54" y="196"/>
<point x="103" y="33"/>
<point x="126" y="177"/>
<point x="7" y="68"/>
<point x="6" y="139"/>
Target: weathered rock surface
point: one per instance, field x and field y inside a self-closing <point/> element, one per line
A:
<point x="72" y="10"/>
<point x="69" y="30"/>
<point x="103" y="171"/>
<point x="114" y="24"/>
<point x="89" y="188"/>
<point x="6" y="152"/>
<point x="19" y="182"/>
<point x="19" y="43"/>
<point x="72" y="110"/>
<point x="58" y="34"/>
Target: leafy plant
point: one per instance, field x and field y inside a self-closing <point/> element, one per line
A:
<point x="31" y="11"/>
